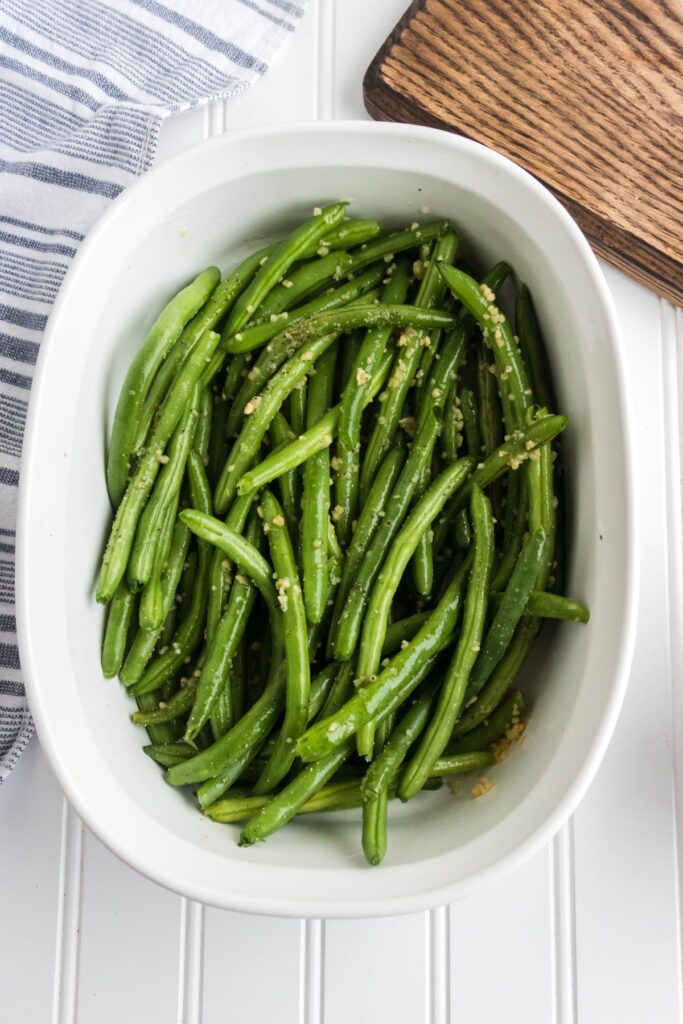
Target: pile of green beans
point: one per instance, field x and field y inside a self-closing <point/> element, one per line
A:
<point x="336" y="531"/>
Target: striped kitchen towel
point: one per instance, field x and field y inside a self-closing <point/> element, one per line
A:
<point x="84" y="88"/>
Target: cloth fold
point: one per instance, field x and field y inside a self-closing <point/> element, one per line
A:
<point x="84" y="88"/>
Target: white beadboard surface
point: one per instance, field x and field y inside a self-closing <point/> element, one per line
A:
<point x="587" y="931"/>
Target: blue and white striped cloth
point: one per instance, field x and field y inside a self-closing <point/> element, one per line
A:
<point x="84" y="88"/>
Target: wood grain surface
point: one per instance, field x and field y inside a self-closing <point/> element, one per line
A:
<point x="587" y="95"/>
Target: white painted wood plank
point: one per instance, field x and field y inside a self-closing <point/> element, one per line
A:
<point x="376" y="970"/>
<point x="625" y="853"/>
<point x="354" y="49"/>
<point x="252" y="968"/>
<point x="129" y="943"/>
<point x="502" y="949"/>
<point x="30" y="845"/>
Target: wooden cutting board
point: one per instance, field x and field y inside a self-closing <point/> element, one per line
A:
<point x="587" y="95"/>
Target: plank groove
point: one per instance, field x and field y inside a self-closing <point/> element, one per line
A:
<point x="586" y="95"/>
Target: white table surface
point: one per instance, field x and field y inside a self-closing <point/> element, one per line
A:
<point x="587" y="931"/>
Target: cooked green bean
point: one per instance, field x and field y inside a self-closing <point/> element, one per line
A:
<point x="385" y="766"/>
<point x="396" y="682"/>
<point x="371" y="515"/>
<point x="224" y="642"/>
<point x="509" y="611"/>
<point x="533" y="349"/>
<point x="409" y="350"/>
<point x="354" y="400"/>
<point x="350" y="619"/>
<point x="315" y="506"/>
<point x="281" y="435"/>
<point x="164" y="494"/>
<point x="386" y="584"/>
<point x="285" y="804"/>
<point x="297" y="663"/>
<point x="219" y="573"/>
<point x="167" y="711"/>
<point x="493" y="729"/>
<point x="279" y="261"/>
<point x="168" y="754"/>
<point x="555" y="606"/>
<point x="251" y="338"/>
<point x="118" y="627"/>
<point x="152" y="607"/>
<point x="120" y="541"/>
<point x="151" y="354"/>
<point x="189" y="632"/>
<point x="145" y="640"/>
<point x="271" y="358"/>
<point x="453" y="689"/>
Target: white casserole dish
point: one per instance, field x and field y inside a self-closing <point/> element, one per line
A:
<point x="197" y="209"/>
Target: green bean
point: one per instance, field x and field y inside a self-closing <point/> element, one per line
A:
<point x="238" y="682"/>
<point x="409" y="350"/>
<point x="355" y="399"/>
<point x="514" y="528"/>
<point x="234" y="375"/>
<point x="160" y="339"/>
<point x="206" y="319"/>
<point x="533" y="349"/>
<point x="145" y="641"/>
<point x="298" y="451"/>
<point x="260" y="415"/>
<point x="167" y="711"/>
<point x="280" y="259"/>
<point x="509" y="612"/>
<point x="402" y="629"/>
<point x="257" y="336"/>
<point x="168" y="754"/>
<point x="516" y="395"/>
<point x="281" y="385"/>
<point x="152" y="609"/>
<point x="398" y="241"/>
<point x="189" y="632"/>
<point x="457" y="764"/>
<point x="120" y="541"/>
<point x="229" y="754"/>
<point x="462" y="531"/>
<point x="277" y="351"/>
<point x="371" y="515"/>
<point x="315" y="507"/>
<point x="374" y="834"/>
<point x="248" y="736"/>
<point x="219" y="573"/>
<point x="202" y="435"/>
<point x="281" y="436"/>
<point x="490" y="423"/>
<point x="541" y="517"/>
<point x="336" y="796"/>
<point x="496" y="726"/>
<point x="396" y="682"/>
<point x="386" y="765"/>
<point x="468" y="409"/>
<point x="118" y="626"/>
<point x="454" y="685"/>
<point x="224" y="642"/>
<point x="297" y="408"/>
<point x="218" y="442"/>
<point x="285" y="804"/>
<point x="295" y="643"/>
<point x="163" y="496"/>
<point x="302" y="282"/>
<point x="222" y="715"/>
<point x="351" y="232"/>
<point x="350" y="619"/>
<point x="451" y="438"/>
<point x="386" y="585"/>
<point x="340" y="691"/>
<point x="554" y="606"/>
